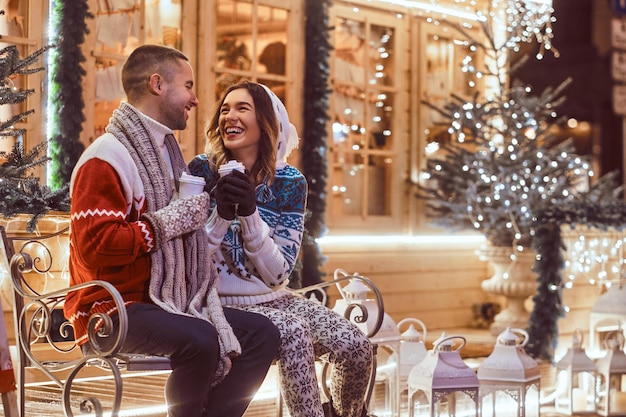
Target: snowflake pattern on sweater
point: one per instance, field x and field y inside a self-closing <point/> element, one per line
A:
<point x="255" y="254"/>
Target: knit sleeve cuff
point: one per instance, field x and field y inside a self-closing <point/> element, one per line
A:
<point x="254" y="231"/>
<point x="156" y="228"/>
<point x="216" y="228"/>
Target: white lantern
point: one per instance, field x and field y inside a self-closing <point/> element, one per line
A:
<point x="412" y="351"/>
<point x="509" y="379"/>
<point x="382" y="331"/>
<point x="442" y="384"/>
<point x="608" y="314"/>
<point x="575" y="391"/>
<point x="355" y="305"/>
<point x="611" y="378"/>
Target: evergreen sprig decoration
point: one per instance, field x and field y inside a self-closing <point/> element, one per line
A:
<point x="69" y="24"/>
<point x="548" y="301"/>
<point x="19" y="164"/>
<point x="20" y="190"/>
<point x="315" y="135"/>
<point x="7" y="128"/>
<point x="11" y="65"/>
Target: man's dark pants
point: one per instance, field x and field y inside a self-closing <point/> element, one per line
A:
<point x="193" y="348"/>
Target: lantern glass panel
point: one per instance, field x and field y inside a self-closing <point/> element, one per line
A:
<point x="617" y="403"/>
<point x="576" y="393"/>
<point x="617" y="382"/>
<point x="454" y="404"/>
<point x="421" y="404"/>
<point x="531" y="401"/>
<point x="583" y="392"/>
<point x="612" y="395"/>
<point x="501" y="403"/>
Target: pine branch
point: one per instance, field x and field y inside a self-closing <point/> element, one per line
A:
<point x="20" y="190"/>
<point x="491" y="173"/>
<point x="20" y="161"/>
<point x="11" y="64"/>
<point x="10" y="95"/>
<point x="7" y="129"/>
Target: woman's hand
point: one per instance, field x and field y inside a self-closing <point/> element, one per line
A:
<point x="235" y="194"/>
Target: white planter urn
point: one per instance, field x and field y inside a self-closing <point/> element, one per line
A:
<point x="513" y="279"/>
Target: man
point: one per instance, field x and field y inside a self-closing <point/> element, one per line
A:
<point x="129" y="227"/>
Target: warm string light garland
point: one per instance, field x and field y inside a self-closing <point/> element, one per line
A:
<point x="508" y="24"/>
<point x="594" y="255"/>
<point x="529" y="21"/>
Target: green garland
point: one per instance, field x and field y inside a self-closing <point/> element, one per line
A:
<point x="548" y="243"/>
<point x="69" y="24"/>
<point x="314" y="138"/>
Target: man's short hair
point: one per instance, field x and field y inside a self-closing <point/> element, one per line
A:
<point x="145" y="61"/>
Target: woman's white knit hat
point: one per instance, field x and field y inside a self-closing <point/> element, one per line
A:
<point x="288" y="138"/>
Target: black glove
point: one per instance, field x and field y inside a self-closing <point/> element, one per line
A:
<point x="232" y="190"/>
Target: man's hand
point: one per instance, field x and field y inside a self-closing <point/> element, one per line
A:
<point x="178" y="218"/>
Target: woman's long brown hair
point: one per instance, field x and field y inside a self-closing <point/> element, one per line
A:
<point x="264" y="168"/>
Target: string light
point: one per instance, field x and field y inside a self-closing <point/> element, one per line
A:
<point x="596" y="256"/>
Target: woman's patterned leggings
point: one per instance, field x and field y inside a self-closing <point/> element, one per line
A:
<point x="309" y="330"/>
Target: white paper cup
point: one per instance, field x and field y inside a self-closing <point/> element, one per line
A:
<point x="231" y="165"/>
<point x="190" y="185"/>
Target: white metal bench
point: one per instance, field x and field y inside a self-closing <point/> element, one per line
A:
<point x="41" y="329"/>
<point x="38" y="331"/>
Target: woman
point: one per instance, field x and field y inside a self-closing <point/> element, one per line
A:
<point x="255" y="234"/>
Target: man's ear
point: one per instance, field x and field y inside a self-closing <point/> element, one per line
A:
<point x="155" y="84"/>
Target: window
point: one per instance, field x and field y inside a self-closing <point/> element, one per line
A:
<point x="251" y="43"/>
<point x="439" y="51"/>
<point x="368" y="132"/>
<point x="385" y="64"/>
<point x="441" y="75"/>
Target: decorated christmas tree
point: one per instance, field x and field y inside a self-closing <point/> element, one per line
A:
<point x="501" y="161"/>
<point x="20" y="190"/>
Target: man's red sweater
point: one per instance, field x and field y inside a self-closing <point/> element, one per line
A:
<point x="107" y="240"/>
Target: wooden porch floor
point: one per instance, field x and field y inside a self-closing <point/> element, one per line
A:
<point x="143" y="396"/>
<point x="143" y="393"/>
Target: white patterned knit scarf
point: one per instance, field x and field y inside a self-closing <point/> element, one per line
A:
<point x="180" y="278"/>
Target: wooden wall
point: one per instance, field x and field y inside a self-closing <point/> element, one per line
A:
<point x="438" y="282"/>
<point x="434" y="281"/>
